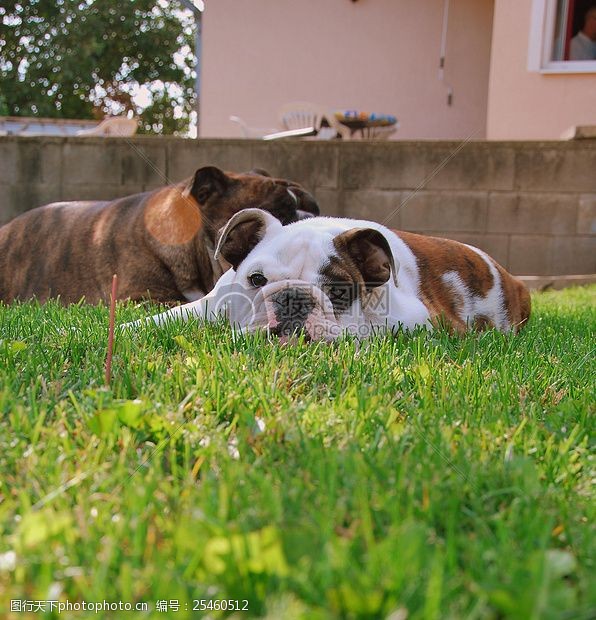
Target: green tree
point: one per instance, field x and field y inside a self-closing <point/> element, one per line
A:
<point x="87" y="58"/>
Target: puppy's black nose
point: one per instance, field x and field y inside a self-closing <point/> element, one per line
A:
<point x="292" y="307"/>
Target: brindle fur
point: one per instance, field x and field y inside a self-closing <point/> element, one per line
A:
<point x="160" y="243"/>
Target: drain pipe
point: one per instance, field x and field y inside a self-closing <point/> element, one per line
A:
<point x="444" y="51"/>
<point x="196" y="7"/>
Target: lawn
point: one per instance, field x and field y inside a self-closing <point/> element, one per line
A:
<point x="417" y="476"/>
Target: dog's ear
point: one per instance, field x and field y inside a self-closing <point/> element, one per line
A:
<point x="208" y="181"/>
<point x="259" y="172"/>
<point x="242" y="233"/>
<point x="370" y="253"/>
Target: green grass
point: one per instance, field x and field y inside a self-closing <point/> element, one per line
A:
<point x="423" y="473"/>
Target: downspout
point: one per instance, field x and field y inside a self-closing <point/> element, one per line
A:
<point x="197" y="7"/>
<point x="444" y="51"/>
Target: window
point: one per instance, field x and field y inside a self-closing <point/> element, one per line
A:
<point x="563" y="36"/>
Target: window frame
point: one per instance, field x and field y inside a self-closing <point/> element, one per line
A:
<point x="541" y="41"/>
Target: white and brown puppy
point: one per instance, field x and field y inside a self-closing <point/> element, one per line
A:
<point x="327" y="276"/>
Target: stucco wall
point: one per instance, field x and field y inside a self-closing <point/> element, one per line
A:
<point x="525" y="105"/>
<point x="531" y="205"/>
<point x="372" y="55"/>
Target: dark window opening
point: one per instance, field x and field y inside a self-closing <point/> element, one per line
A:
<point x="575" y="30"/>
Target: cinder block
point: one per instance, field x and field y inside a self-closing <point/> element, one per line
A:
<point x="185" y="157"/>
<point x="445" y="211"/>
<point x="471" y="166"/>
<point x="567" y="167"/>
<point x="16" y="199"/>
<point x="96" y="191"/>
<point x="40" y="160"/>
<point x="496" y="246"/>
<point x="329" y="201"/>
<point x="32" y="195"/>
<point x="530" y="255"/>
<point x="376" y="205"/>
<point x="8" y="160"/>
<point x="536" y="213"/>
<point x="310" y="163"/>
<point x="586" y="215"/>
<point x="29" y="162"/>
<point x="149" y="187"/>
<point x="8" y="203"/>
<point x="182" y="160"/>
<point x="143" y="163"/>
<point x="91" y="163"/>
<point x="382" y="165"/>
<point x="574" y="255"/>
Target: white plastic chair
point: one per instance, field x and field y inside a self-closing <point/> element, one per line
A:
<point x="300" y="119"/>
<point x="251" y="132"/>
<point x="305" y="115"/>
<point x="112" y="126"/>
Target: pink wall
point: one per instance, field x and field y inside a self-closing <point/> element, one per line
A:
<point x="526" y="105"/>
<point x="374" y="55"/>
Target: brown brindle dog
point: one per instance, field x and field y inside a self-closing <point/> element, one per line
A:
<point x="160" y="243"/>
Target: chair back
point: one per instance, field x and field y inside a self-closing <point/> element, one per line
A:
<point x="303" y="114"/>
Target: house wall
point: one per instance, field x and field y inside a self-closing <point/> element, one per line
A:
<point x="371" y="55"/>
<point x="524" y="105"/>
<point x="531" y="205"/>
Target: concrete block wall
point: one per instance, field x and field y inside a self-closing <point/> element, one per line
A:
<point x="531" y="205"/>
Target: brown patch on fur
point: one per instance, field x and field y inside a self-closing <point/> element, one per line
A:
<point x="525" y="305"/>
<point x="341" y="282"/>
<point x="482" y="323"/>
<point x="171" y="216"/>
<point x="435" y="257"/>
<point x="516" y="298"/>
<point x="448" y="323"/>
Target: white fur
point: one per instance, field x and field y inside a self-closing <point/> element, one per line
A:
<point x="493" y="304"/>
<point x="193" y="294"/>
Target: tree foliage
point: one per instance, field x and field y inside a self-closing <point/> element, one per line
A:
<point x="87" y="58"/>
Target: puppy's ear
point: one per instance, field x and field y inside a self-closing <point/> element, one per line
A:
<point x="259" y="172"/>
<point x="208" y="181"/>
<point x="370" y="253"/>
<point x="242" y="233"/>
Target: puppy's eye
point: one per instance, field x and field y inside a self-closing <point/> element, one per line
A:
<point x="257" y="279"/>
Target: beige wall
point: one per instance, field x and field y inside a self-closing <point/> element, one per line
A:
<point x="527" y="105"/>
<point x="374" y="55"/>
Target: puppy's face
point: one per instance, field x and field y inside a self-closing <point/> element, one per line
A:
<point x="220" y="195"/>
<point x="304" y="277"/>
